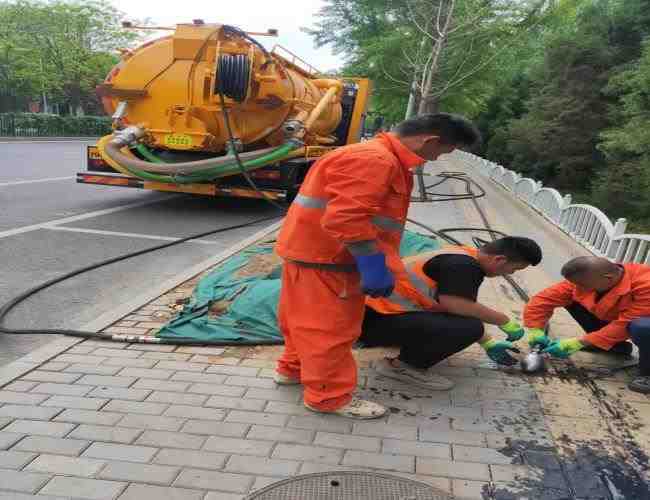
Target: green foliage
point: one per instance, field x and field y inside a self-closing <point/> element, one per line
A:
<point x="47" y="125"/>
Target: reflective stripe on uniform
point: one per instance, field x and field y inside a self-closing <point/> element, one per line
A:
<point x="419" y="284"/>
<point x="310" y="201"/>
<point x="405" y="303"/>
<point x="387" y="223"/>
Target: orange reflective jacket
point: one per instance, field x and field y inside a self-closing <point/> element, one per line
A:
<point x="353" y="200"/>
<point x="415" y="291"/>
<point x="628" y="300"/>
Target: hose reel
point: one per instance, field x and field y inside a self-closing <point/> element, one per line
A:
<point x="233" y="76"/>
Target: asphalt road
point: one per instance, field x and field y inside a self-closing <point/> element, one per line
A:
<point x="49" y="225"/>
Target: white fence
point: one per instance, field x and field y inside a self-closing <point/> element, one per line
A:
<point x="586" y="224"/>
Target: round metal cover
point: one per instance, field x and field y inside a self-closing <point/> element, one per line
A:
<point x="348" y="486"/>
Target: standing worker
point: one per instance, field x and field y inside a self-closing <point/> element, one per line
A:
<point x="340" y="240"/>
<point x="611" y="302"/>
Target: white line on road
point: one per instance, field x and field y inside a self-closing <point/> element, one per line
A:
<point x="74" y="218"/>
<point x="33" y="181"/>
<point x="130" y="235"/>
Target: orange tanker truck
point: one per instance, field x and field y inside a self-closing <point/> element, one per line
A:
<point x="208" y="110"/>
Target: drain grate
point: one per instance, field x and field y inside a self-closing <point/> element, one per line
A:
<point x="348" y="486"/>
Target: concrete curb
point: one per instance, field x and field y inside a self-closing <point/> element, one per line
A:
<point x="34" y="359"/>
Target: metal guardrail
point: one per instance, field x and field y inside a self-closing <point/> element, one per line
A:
<point x="586" y="224"/>
<point x="44" y="125"/>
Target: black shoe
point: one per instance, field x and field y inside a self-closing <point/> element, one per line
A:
<point x="621" y="349"/>
<point x="640" y="383"/>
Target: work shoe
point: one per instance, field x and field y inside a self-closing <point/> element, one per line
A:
<point x="621" y="349"/>
<point x="398" y="370"/>
<point x="641" y="384"/>
<point x="281" y="379"/>
<point x="357" y="408"/>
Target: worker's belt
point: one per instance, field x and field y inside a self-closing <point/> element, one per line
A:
<point x="343" y="268"/>
<point x="381" y="221"/>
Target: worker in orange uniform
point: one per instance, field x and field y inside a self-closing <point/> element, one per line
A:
<point x="340" y="240"/>
<point x="433" y="312"/>
<point x="611" y="302"/>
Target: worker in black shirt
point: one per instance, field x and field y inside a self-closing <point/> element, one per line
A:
<point x="433" y="311"/>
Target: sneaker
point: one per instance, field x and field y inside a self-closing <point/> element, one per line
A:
<point x="621" y="349"/>
<point x="641" y="384"/>
<point x="398" y="370"/>
<point x="357" y="408"/>
<point x="281" y="379"/>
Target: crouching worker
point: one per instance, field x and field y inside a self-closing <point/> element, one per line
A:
<point x="433" y="311"/>
<point x="610" y="302"/>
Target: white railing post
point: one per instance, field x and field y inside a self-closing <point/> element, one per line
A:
<point x="619" y="230"/>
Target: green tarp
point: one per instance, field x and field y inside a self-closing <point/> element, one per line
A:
<point x="236" y="303"/>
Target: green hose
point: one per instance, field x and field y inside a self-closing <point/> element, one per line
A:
<point x="209" y="173"/>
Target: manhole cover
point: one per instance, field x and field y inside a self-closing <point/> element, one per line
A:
<point x="348" y="486"/>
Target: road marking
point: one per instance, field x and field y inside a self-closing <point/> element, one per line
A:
<point x="74" y="218"/>
<point x="47" y="179"/>
<point x="130" y="235"/>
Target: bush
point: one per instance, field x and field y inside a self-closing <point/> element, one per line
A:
<point x="46" y="125"/>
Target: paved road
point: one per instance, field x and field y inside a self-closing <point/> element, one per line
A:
<point x="49" y="225"/>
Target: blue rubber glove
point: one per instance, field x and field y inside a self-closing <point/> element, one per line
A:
<point x="563" y="348"/>
<point x="513" y="329"/>
<point x="376" y="279"/>
<point x="537" y="338"/>
<point x="497" y="351"/>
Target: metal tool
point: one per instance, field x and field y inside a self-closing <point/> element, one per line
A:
<point x="533" y="362"/>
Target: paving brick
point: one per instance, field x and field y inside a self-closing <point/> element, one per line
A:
<point x="242" y="371"/>
<point x="264" y="481"/>
<point x="105" y="434"/>
<point x="459" y="437"/>
<point x="287" y="396"/>
<point x="235" y="403"/>
<point x="54" y="366"/>
<point x="262" y="466"/>
<point x="92" y="369"/>
<point x="415" y="448"/>
<point x="144" y="473"/>
<point x="280" y="434"/>
<point x="165" y="439"/>
<point x="6" y="495"/>
<point x="56" y="429"/>
<point x="131" y="362"/>
<point x="307" y="453"/>
<point x="210" y="427"/>
<point x="470" y="490"/>
<point x="20" y="386"/>
<point x="146" y="492"/>
<point x="167" y="356"/>
<point x="99" y="343"/>
<point x="215" y="360"/>
<point x="155" y="423"/>
<point x="89" y="417"/>
<point x="207" y="351"/>
<point x="379" y="429"/>
<point x="481" y="455"/>
<point x="58" y="377"/>
<point x="500" y="441"/>
<point x="117" y="353"/>
<point x="238" y="446"/>
<point x="379" y="461"/>
<point x="178" y="398"/>
<point x="321" y="423"/>
<point x="20" y="398"/>
<point x="160" y="385"/>
<point x="441" y="424"/>
<point x="474" y="425"/>
<point x="84" y="359"/>
<point x="287" y="408"/>
<point x="522" y="474"/>
<point x="120" y="393"/>
<point x="202" y="378"/>
<point x="106" y="380"/>
<point x="15" y="459"/>
<point x="195" y="412"/>
<point x="77" y="402"/>
<point x="8" y="439"/>
<point x="120" y="406"/>
<point x="210" y="480"/>
<point x="27" y="482"/>
<point x="249" y="417"/>
<point x="56" y="446"/>
<point x="81" y="349"/>
<point x="4" y="421"/>
<point x="29" y="412"/>
<point x="455" y="469"/>
<point x="217" y="390"/>
<point x="72" y="466"/>
<point x="122" y="452"/>
<point x="260" y="383"/>
<point x="92" y="489"/>
<point x="191" y="458"/>
<point x="146" y="373"/>
<point x="152" y="347"/>
<point x="62" y="389"/>
<point x="220" y="495"/>
<point x="180" y="366"/>
<point x="348" y="442"/>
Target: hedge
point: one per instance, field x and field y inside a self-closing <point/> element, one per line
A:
<point x="46" y="125"/>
